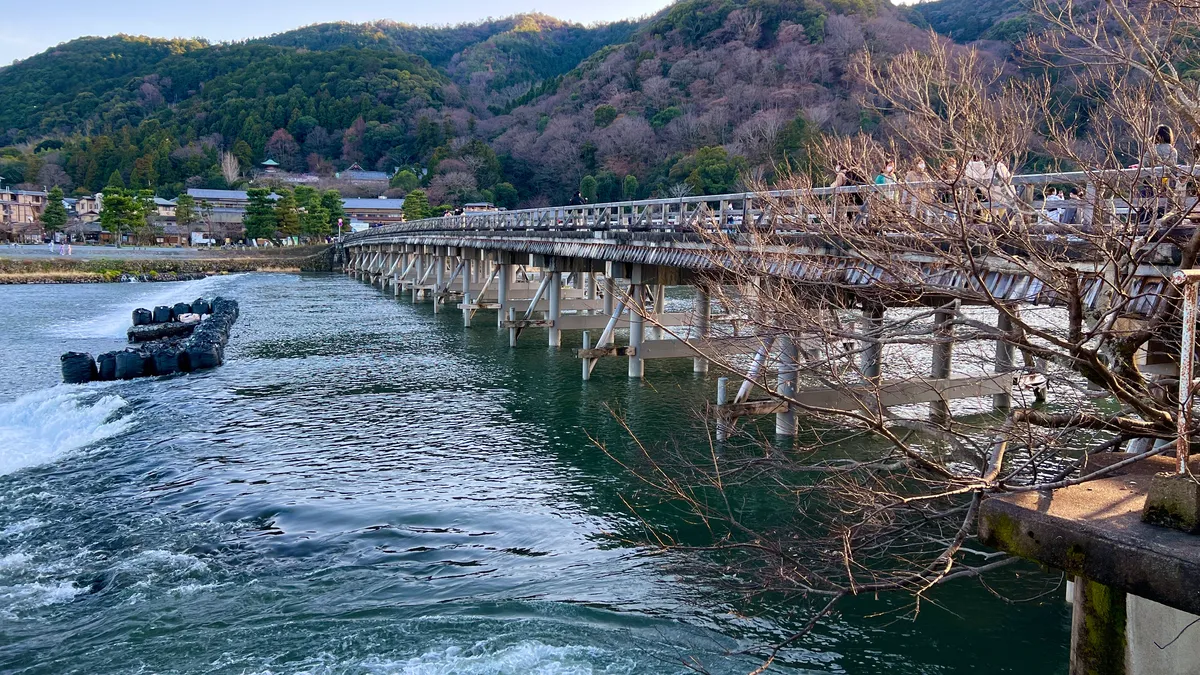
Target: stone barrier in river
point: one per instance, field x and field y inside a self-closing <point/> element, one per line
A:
<point x="181" y="338"/>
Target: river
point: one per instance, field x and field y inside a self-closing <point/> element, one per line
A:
<point x="367" y="487"/>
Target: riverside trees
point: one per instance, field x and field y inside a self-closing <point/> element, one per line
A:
<point x="885" y="498"/>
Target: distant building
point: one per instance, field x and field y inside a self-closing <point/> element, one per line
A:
<point x="270" y="166"/>
<point x="87" y="208"/>
<point x="164" y="207"/>
<point x="475" y="207"/>
<point x="379" y="211"/>
<point x="234" y="199"/>
<point x="356" y="175"/>
<point x="20" y="213"/>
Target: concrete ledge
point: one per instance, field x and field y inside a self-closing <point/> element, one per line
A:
<point x="1095" y="530"/>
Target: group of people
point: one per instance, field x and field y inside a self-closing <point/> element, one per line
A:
<point x="64" y="246"/>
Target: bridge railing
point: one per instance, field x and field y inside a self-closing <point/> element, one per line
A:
<point x="1118" y="193"/>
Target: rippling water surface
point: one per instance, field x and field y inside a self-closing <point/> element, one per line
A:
<point x="366" y="487"/>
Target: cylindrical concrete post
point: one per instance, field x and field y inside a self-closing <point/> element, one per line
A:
<point x="502" y="284"/>
<point x="466" y="292"/>
<point x="589" y="286"/>
<point x="943" y="351"/>
<point x="637" y="367"/>
<point x="512" y="329"/>
<point x="554" y="315"/>
<point x="610" y="288"/>
<point x="587" y="344"/>
<point x="1004" y="359"/>
<point x="722" y="400"/>
<point x="872" y="355"/>
<point x="439" y="283"/>
<point x="703" y="312"/>
<point x="785" y="422"/>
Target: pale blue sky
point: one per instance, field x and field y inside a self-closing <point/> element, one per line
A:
<point x="40" y="25"/>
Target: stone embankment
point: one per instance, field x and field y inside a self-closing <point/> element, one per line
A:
<point x="185" y="337"/>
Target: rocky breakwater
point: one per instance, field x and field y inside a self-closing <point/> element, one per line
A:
<point x="183" y="338"/>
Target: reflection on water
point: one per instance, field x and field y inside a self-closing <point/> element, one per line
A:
<point x="368" y="488"/>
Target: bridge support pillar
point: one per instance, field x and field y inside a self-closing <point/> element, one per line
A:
<point x="610" y="289"/>
<point x="466" y="289"/>
<point x="703" y="312"/>
<point x="555" y="314"/>
<point x="872" y="355"/>
<point x="439" y="283"/>
<point x="418" y="276"/>
<point x="503" y="283"/>
<point x="1004" y="359"/>
<point x="943" y="353"/>
<point x="785" y="421"/>
<point x="637" y="307"/>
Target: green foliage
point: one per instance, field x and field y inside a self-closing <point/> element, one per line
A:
<point x="604" y="115"/>
<point x="405" y="180"/>
<point x="505" y="196"/>
<point x="260" y="214"/>
<point x="663" y="117"/>
<point x="55" y="215"/>
<point x="185" y="210"/>
<point x="416" y="205"/>
<point x="314" y="222"/>
<point x="794" y="145"/>
<point x="969" y="20"/>
<point x="331" y="202"/>
<point x="629" y="188"/>
<point x="115" y="180"/>
<point x="306" y="197"/>
<point x="709" y="171"/>
<point x="287" y="217"/>
<point x="119" y="212"/>
<point x="587" y="188"/>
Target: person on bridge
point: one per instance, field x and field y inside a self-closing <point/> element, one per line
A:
<point x="848" y="176"/>
<point x="918" y="198"/>
<point x="577" y="199"/>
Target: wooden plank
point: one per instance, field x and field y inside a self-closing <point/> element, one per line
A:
<point x="677" y="349"/>
<point x="891" y="394"/>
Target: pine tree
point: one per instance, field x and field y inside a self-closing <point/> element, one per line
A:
<point x="287" y="218"/>
<point x="115" y="180"/>
<point x="416" y="205"/>
<point x="260" y="214"/>
<point x="331" y="201"/>
<point x="55" y="215"/>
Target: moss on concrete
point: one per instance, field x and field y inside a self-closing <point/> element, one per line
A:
<point x="1173" y="501"/>
<point x="1098" y="637"/>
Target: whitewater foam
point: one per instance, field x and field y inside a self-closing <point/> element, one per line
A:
<point x="115" y="321"/>
<point x="42" y="426"/>
<point x="527" y="656"/>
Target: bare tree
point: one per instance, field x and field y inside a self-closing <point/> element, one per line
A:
<point x="229" y="167"/>
<point x="856" y="302"/>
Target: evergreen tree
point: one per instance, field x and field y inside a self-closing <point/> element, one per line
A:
<point x="306" y="197"/>
<point x="185" y="213"/>
<point x="118" y="212"/>
<point x="505" y="195"/>
<point x="115" y="180"/>
<point x="630" y="187"/>
<point x="55" y="215"/>
<point x="587" y="188"/>
<point x="287" y="217"/>
<point x="331" y="201"/>
<point x="315" y="222"/>
<point x="260" y="214"/>
<point x="416" y="205"/>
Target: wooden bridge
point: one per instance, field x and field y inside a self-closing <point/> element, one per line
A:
<point x="604" y="267"/>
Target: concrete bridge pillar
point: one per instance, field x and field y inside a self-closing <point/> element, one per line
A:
<point x="439" y="283"/>
<point x="468" y="267"/>
<point x="943" y="352"/>
<point x="637" y="306"/>
<point x="785" y="421"/>
<point x="703" y="312"/>
<point x="872" y="354"/>
<point x="555" y="314"/>
<point x="503" y="282"/>
<point x="1004" y="359"/>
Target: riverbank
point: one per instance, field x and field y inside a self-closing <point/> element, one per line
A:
<point x="197" y="264"/>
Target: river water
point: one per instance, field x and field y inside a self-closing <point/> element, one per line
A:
<point x="366" y="487"/>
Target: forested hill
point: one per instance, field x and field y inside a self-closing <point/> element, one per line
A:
<point x="521" y="110"/>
